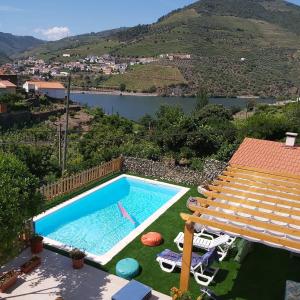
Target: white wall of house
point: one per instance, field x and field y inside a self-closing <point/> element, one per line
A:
<point x="27" y="86"/>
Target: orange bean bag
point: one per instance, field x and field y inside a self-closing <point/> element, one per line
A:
<point x="152" y="239"/>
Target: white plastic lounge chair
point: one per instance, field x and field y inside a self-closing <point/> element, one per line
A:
<point x="213" y="235"/>
<point x="206" y="242"/>
<point x="200" y="229"/>
<point x="200" y="266"/>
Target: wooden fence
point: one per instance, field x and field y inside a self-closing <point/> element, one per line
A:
<point x="69" y="184"/>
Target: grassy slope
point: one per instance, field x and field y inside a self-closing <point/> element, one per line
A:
<point x="143" y="77"/>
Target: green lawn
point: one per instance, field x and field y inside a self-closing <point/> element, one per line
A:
<point x="261" y="276"/>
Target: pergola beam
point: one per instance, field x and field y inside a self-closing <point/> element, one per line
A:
<point x="266" y="185"/>
<point x="243" y="194"/>
<point x="267" y="172"/>
<point x="249" y="176"/>
<point x="253" y="189"/>
<point x="289" y="211"/>
<point x="241" y="231"/>
<point x="262" y="174"/>
<point x="247" y="221"/>
<point x="187" y="256"/>
<point x="251" y="212"/>
<point x="256" y="204"/>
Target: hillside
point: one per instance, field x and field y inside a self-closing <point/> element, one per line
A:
<point x="80" y="46"/>
<point x="11" y="44"/>
<point x="144" y="78"/>
<point x="237" y="46"/>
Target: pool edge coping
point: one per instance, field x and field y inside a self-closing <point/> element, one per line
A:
<point x="105" y="258"/>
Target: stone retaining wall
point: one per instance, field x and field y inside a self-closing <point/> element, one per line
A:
<point x="177" y="174"/>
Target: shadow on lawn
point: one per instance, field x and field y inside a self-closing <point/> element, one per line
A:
<point x="263" y="274"/>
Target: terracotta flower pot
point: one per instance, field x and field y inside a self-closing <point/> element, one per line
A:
<point x="78" y="263"/>
<point x="7" y="280"/>
<point x="36" y="245"/>
<point x="31" y="264"/>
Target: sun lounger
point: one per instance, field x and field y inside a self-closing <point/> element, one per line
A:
<point x="206" y="242"/>
<point x="200" y="265"/>
<point x="203" y="230"/>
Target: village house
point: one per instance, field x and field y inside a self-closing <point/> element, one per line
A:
<point x="7" y="87"/>
<point x="52" y="89"/>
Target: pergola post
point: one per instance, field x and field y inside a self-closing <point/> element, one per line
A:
<point x="186" y="256"/>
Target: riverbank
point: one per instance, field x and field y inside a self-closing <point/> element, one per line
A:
<point x="114" y="93"/>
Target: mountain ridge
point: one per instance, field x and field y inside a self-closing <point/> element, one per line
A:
<point x="238" y="46"/>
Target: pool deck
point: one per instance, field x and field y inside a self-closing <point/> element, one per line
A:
<point x="56" y="277"/>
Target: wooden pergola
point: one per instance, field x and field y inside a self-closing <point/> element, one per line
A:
<point x="255" y="204"/>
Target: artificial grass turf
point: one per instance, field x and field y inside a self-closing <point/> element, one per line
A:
<point x="261" y="276"/>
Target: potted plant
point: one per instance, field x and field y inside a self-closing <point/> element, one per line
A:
<point x="36" y="244"/>
<point x="7" y="280"/>
<point x="31" y="264"/>
<point x="77" y="258"/>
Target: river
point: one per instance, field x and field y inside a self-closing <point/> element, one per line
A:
<point x="134" y="107"/>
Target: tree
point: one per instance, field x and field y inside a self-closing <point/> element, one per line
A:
<point x="202" y="99"/>
<point x="19" y="199"/>
<point x="212" y="113"/>
<point x="172" y="128"/>
<point x="147" y="121"/>
<point x="265" y="126"/>
<point x="122" y="87"/>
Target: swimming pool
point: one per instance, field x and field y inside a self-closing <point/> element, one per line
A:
<point x="105" y="219"/>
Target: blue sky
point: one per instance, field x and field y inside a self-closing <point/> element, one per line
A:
<point x="58" y="18"/>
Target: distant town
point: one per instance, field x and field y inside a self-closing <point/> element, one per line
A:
<point x="104" y="64"/>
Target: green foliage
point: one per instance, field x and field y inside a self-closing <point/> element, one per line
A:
<point x="172" y="128"/>
<point x="147" y="121"/>
<point x="212" y="113"/>
<point x="10" y="99"/>
<point x="104" y="140"/>
<point x="265" y="126"/>
<point x="122" y="87"/>
<point x="142" y="149"/>
<point x="197" y="164"/>
<point x="202" y="99"/>
<point x="18" y="199"/>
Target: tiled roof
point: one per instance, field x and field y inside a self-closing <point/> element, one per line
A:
<point x="47" y="84"/>
<point x="6" y="84"/>
<point x="268" y="155"/>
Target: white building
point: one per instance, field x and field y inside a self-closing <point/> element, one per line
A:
<point x="52" y="89"/>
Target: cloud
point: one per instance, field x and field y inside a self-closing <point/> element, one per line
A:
<point x="7" y="8"/>
<point x="54" y="33"/>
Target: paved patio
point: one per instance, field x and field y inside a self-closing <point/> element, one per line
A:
<point x="56" y="277"/>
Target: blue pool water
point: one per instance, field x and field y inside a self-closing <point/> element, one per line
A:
<point x="94" y="222"/>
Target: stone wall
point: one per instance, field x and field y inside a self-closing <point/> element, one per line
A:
<point x="177" y="174"/>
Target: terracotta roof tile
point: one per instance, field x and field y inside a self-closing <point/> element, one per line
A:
<point x="6" y="83"/>
<point x="268" y="155"/>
